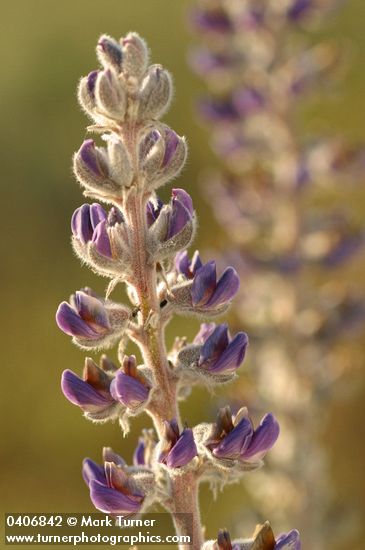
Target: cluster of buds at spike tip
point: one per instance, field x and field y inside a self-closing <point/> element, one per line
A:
<point x="201" y="292"/>
<point x="92" y="321"/>
<point x="172" y="226"/>
<point x="130" y="386"/>
<point x="92" y="392"/>
<point x="213" y="353"/>
<point x="234" y="440"/>
<point x="262" y="539"/>
<point x="178" y="448"/>
<point x="113" y="488"/>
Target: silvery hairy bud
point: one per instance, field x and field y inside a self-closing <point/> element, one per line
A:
<point x="155" y="93"/>
<point x="162" y="155"/>
<point x="110" y="96"/>
<point x="109" y="52"/>
<point x="86" y="92"/>
<point x="106" y="171"/>
<point x="135" y="55"/>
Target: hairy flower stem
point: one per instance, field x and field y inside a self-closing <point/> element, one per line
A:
<point x="185" y="498"/>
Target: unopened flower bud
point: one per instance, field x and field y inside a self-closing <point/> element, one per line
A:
<point x="135" y="55"/>
<point x="109" y="52"/>
<point x="110" y="97"/>
<point x="86" y="92"/>
<point x="155" y="93"/>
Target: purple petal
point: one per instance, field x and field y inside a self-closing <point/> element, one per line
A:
<point x="81" y="224"/>
<point x="92" y="311"/>
<point x="91" y="81"/>
<point x="128" y="390"/>
<point x="205" y="331"/>
<point x="183" y="451"/>
<point x="81" y="393"/>
<point x="289" y="541"/>
<point x="231" y="358"/>
<point x="97" y="214"/>
<point x="214" y="346"/>
<point x="88" y="155"/>
<point x="138" y="455"/>
<point x="185" y="198"/>
<point x="171" y="143"/>
<point x="112" y="49"/>
<point x="227" y="287"/>
<point x="101" y="239"/>
<point x="71" y="323"/>
<point x="179" y="217"/>
<point x="110" y="456"/>
<point x="91" y="470"/>
<point x="299" y="8"/>
<point x="182" y="263"/>
<point x="236" y="441"/>
<point x="263" y="438"/>
<point x="204" y="284"/>
<point x="109" y="500"/>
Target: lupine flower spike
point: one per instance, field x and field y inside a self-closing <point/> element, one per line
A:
<point x="138" y="240"/>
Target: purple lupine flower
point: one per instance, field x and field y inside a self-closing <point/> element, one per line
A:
<point x="220" y="354"/>
<point x="142" y="455"/>
<point x="129" y="386"/>
<point x="248" y="100"/>
<point x="265" y="538"/>
<point x="185" y="266"/>
<point x="179" y="448"/>
<point x="153" y="210"/>
<point x="207" y="292"/>
<point x="112" y="489"/>
<point x="288" y="541"/>
<point x="91" y="392"/>
<point x="181" y="212"/>
<point x="235" y="437"/>
<point x="85" y="219"/>
<point x="85" y="316"/>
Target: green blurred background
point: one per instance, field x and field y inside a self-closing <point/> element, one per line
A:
<point x="45" y="46"/>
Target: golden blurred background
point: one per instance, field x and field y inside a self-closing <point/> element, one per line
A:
<point x="45" y="47"/>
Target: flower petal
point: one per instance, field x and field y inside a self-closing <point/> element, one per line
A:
<point x="231" y="358"/>
<point x="289" y="541"/>
<point x="204" y="284"/>
<point x="236" y="441"/>
<point x="71" y="323"/>
<point x="81" y="393"/>
<point x="109" y="500"/>
<point x="183" y="451"/>
<point x="263" y="438"/>
<point x="91" y="470"/>
<point x="227" y="287"/>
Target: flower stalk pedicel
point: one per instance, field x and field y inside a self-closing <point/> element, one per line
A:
<point x="141" y="242"/>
